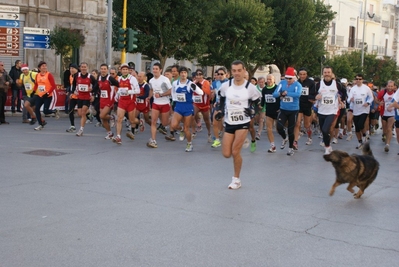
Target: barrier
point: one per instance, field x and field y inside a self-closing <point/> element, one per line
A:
<point x="58" y="102"/>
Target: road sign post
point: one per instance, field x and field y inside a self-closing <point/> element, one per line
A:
<point x="36" y="38"/>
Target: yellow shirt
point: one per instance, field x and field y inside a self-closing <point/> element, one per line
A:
<point x="28" y="82"/>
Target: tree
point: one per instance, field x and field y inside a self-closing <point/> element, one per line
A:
<point x="172" y="28"/>
<point x="64" y="40"/>
<point x="242" y="30"/>
<point x="341" y="66"/>
<point x="301" y="32"/>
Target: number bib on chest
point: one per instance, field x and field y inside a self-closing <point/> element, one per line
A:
<point x="305" y="91"/>
<point x="235" y="116"/>
<point x="328" y="100"/>
<point x="197" y="99"/>
<point x="270" y="99"/>
<point x="139" y="101"/>
<point x="28" y="86"/>
<point x="180" y="97"/>
<point x="104" y="94"/>
<point x="41" y="88"/>
<point x="288" y="99"/>
<point x="359" y="101"/>
<point x="123" y="91"/>
<point x="83" y="88"/>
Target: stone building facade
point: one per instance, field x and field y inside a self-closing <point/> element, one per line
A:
<point x="87" y="16"/>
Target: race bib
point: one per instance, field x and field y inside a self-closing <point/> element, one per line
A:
<point x="197" y="99"/>
<point x="288" y="99"/>
<point x="305" y="91"/>
<point x="28" y="86"/>
<point x="328" y="100"/>
<point x="123" y="91"/>
<point x="180" y="97"/>
<point x="359" y="101"/>
<point x="139" y="101"/>
<point x="83" y="88"/>
<point x="270" y="99"/>
<point x="104" y="94"/>
<point x="41" y="88"/>
<point x="235" y="116"/>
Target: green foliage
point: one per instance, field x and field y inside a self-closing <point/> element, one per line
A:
<point x="301" y="31"/>
<point x="173" y="28"/>
<point x="341" y="66"/>
<point x="377" y="71"/>
<point x="242" y="30"/>
<point x="63" y="40"/>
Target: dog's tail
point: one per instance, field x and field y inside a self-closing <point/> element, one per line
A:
<point x="367" y="150"/>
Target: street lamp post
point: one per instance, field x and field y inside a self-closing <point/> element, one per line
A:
<point x="364" y="30"/>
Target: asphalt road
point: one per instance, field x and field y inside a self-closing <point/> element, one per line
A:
<point x="90" y="202"/>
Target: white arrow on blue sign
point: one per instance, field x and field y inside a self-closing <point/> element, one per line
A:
<point x="36" y="41"/>
<point x="9" y="23"/>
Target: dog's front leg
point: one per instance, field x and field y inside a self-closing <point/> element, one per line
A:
<point x="332" y="190"/>
<point x="351" y="186"/>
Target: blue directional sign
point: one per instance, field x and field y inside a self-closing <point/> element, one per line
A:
<point x="36" y="38"/>
<point x="9" y="23"/>
<point x="36" y="45"/>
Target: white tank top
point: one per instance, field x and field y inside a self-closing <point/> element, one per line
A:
<point x="329" y="103"/>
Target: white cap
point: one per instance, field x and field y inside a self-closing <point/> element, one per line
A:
<point x="344" y="80"/>
<point x="124" y="65"/>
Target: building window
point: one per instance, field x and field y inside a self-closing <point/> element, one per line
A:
<point x="333" y="41"/>
<point x="392" y="22"/>
<point x="352" y="31"/>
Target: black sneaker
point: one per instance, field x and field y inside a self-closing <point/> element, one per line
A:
<point x="32" y="122"/>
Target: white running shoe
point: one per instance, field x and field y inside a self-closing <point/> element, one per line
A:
<point x="39" y="128"/>
<point x="322" y="144"/>
<point x="189" y="147"/>
<point x="109" y="136"/>
<point x="349" y="137"/>
<point x="71" y="129"/>
<point x="235" y="183"/>
<point x="79" y="133"/>
<point x="210" y="140"/>
<point x="334" y="140"/>
<point x="181" y="136"/>
<point x="290" y="152"/>
<point x="386" y="148"/>
<point x="309" y="142"/>
<point x="246" y="143"/>
<point x="328" y="150"/>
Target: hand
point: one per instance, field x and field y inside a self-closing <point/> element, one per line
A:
<point x="366" y="104"/>
<point x="249" y="112"/>
<point x="219" y="115"/>
<point x="193" y="86"/>
<point x="157" y="95"/>
<point x="7" y="83"/>
<point x="45" y="95"/>
<point x="352" y="99"/>
<point x="318" y="97"/>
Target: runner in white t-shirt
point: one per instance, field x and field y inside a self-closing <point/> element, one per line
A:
<point x="160" y="90"/>
<point x="236" y="96"/>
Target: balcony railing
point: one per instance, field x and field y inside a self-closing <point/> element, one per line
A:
<point x="337" y="40"/>
<point x="377" y="49"/>
<point x="374" y="17"/>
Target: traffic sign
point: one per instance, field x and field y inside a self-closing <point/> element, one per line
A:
<point x="9" y="16"/>
<point x="9" y="38"/>
<point x="36" y="45"/>
<point x="6" y="52"/>
<point x="42" y="31"/>
<point x="9" y="9"/>
<point x="9" y="23"/>
<point x="9" y="31"/>
<point x="36" y="38"/>
<point x="9" y="45"/>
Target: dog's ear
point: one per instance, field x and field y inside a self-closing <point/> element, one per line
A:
<point x="327" y="157"/>
<point x="336" y="156"/>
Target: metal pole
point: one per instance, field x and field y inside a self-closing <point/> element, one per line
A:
<point x="109" y="34"/>
<point x="123" y="53"/>
<point x="364" y="30"/>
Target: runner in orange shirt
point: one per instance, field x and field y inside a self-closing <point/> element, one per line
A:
<point x="44" y="87"/>
<point x="202" y="103"/>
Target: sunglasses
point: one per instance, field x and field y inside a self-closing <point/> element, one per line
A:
<point x="358" y="79"/>
<point x="289" y="78"/>
<point x="220" y="74"/>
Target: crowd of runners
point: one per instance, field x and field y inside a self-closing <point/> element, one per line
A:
<point x="175" y="102"/>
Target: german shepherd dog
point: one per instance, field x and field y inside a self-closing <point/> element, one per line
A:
<point x="357" y="170"/>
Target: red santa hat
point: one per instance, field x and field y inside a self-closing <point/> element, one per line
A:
<point x="290" y="72"/>
<point x="24" y="67"/>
